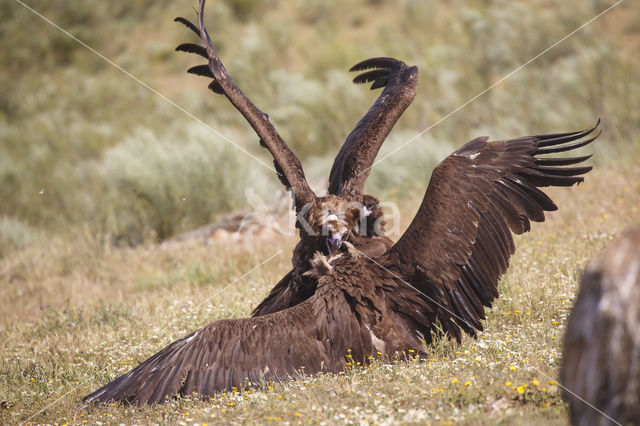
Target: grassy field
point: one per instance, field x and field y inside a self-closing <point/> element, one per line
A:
<point x="83" y="144"/>
<point x="95" y="170"/>
<point x="77" y="313"/>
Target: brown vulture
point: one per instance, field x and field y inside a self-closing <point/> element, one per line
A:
<point x="444" y="269"/>
<point x="348" y="173"/>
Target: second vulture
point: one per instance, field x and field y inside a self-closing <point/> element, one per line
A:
<point x="444" y="269"/>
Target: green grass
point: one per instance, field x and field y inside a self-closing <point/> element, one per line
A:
<point x="75" y="313"/>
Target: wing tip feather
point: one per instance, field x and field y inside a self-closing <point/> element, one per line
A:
<point x="376" y="63"/>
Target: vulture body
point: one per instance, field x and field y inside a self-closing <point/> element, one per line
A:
<point x="601" y="353"/>
<point x="338" y="300"/>
<point x="295" y="286"/>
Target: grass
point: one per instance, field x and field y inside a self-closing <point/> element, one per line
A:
<point x="95" y="170"/>
<point x="75" y="313"/>
<point x="72" y="127"/>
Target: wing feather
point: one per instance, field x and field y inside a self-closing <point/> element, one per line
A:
<point x="381" y="62"/>
<point x="313" y="336"/>
<point x="188" y="24"/>
<point x="460" y="241"/>
<point x="356" y="156"/>
<point x="369" y="76"/>
<point x="562" y="161"/>
<point x="201" y="70"/>
<point x="288" y="166"/>
<point x="213" y="358"/>
<point x="193" y="48"/>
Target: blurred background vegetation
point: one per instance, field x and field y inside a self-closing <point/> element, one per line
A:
<point x="82" y="146"/>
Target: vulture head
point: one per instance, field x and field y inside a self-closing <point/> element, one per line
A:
<point x="330" y="219"/>
<point x="372" y="222"/>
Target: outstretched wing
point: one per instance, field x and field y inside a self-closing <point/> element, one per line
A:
<point x="239" y="353"/>
<point x="282" y="296"/>
<point x="352" y="165"/>
<point x="288" y="166"/>
<point x="459" y="243"/>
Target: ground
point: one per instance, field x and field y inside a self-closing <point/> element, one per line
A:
<point x="76" y="312"/>
<point x="91" y="162"/>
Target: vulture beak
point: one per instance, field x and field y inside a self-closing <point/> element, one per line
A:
<point x="366" y="211"/>
<point x="334" y="243"/>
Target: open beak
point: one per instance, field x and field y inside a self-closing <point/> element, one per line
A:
<point x="334" y="243"/>
<point x="366" y="211"/>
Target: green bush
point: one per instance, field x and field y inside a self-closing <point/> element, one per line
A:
<point x="161" y="185"/>
<point x="14" y="235"/>
<point x="82" y="144"/>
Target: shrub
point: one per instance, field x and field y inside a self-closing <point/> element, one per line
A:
<point x="174" y="182"/>
<point x="14" y="235"/>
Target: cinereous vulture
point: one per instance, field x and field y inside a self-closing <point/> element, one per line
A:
<point x="444" y="269"/>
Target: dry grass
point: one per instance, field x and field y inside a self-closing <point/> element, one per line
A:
<point x="81" y="143"/>
<point x="75" y="313"/>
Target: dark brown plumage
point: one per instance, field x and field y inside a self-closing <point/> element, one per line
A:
<point x="459" y="242"/>
<point x="370" y="238"/>
<point x="443" y="270"/>
<point x="313" y="337"/>
<point x="352" y="165"/>
<point x="349" y="171"/>
<point x="285" y="161"/>
<point x="349" y="174"/>
<point x="242" y="352"/>
<point x="601" y="354"/>
<point x="295" y="287"/>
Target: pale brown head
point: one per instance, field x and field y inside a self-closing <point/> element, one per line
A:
<point x="332" y="219"/>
